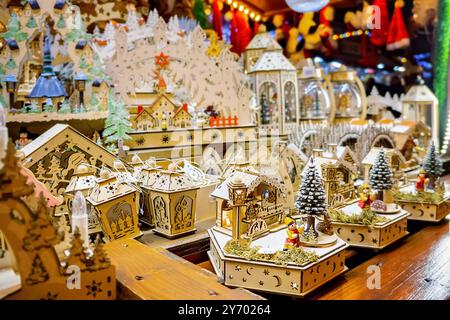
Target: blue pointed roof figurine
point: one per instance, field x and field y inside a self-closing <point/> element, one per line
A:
<point x="47" y="85"/>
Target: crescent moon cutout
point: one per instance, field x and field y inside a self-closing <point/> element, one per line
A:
<point x="339" y="230"/>
<point x="362" y="237"/>
<point x="248" y="272"/>
<point x="278" y="281"/>
<point x="318" y="268"/>
<point x="334" y="266"/>
<point x="421" y="213"/>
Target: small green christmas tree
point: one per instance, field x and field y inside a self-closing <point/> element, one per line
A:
<point x="93" y="103"/>
<point x="83" y="62"/>
<point x="31" y="23"/>
<point x="78" y="31"/>
<point x="380" y="175"/>
<point x="117" y="125"/>
<point x="48" y="107"/>
<point x="11" y="64"/>
<point x="61" y="24"/>
<point x="65" y="107"/>
<point x="199" y="13"/>
<point x="14" y="30"/>
<point x="34" y="108"/>
<point x="432" y="165"/>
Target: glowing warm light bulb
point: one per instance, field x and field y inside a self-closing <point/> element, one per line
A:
<point x="252" y="14"/>
<point x="241" y="8"/>
<point x="246" y="11"/>
<point x="258" y="17"/>
<point x="235" y="5"/>
<point x="229" y="2"/>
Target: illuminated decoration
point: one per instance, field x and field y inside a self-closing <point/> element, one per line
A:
<point x="306" y="5"/>
<point x="441" y="60"/>
<point x="244" y="8"/>
<point x="349" y="34"/>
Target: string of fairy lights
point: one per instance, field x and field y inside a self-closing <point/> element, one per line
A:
<point x="252" y="14"/>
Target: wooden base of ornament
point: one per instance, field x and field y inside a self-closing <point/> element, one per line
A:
<point x="432" y="212"/>
<point x="174" y="236"/>
<point x="323" y="241"/>
<point x="377" y="236"/>
<point x="292" y="280"/>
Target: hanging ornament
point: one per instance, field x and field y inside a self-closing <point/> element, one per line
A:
<point x="228" y="16"/>
<point x="306" y="5"/>
<point x="380" y="23"/>
<point x="61" y="24"/>
<point x="217" y="19"/>
<point x="31" y="23"/>
<point x="397" y="37"/>
<point x="11" y="64"/>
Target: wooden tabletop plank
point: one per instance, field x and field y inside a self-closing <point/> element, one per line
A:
<point x="415" y="268"/>
<point x="155" y="273"/>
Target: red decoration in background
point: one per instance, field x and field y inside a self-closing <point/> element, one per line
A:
<point x="217" y="19"/>
<point x="398" y="36"/>
<point x="241" y="33"/>
<point x="379" y="35"/>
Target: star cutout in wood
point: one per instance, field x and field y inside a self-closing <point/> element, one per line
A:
<point x="266" y="272"/>
<point x="237" y="268"/>
<point x="294" y="285"/>
<point x="94" y="288"/>
<point x="50" y="296"/>
<point x="162" y="60"/>
<point x="261" y="283"/>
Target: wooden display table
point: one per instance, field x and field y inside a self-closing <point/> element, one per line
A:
<point x="154" y="273"/>
<point x="413" y="270"/>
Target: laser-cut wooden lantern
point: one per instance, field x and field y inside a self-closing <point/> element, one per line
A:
<point x="116" y="203"/>
<point x="147" y="176"/>
<point x="172" y="197"/>
<point x="83" y="180"/>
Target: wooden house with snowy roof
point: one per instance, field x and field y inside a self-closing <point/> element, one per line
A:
<point x="261" y="42"/>
<point x="395" y="158"/>
<point x="338" y="169"/>
<point x="249" y="205"/>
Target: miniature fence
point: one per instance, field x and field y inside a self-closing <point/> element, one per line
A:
<point x="223" y="121"/>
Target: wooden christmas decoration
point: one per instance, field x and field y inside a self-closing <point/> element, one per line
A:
<point x="394" y="158"/>
<point x="338" y="170"/>
<point x="262" y="41"/>
<point x="31" y="237"/>
<point x="116" y="203"/>
<point x="54" y="156"/>
<point x="372" y="221"/>
<point x="426" y="200"/>
<point x="170" y="197"/>
<point x="274" y="80"/>
<point x="420" y="102"/>
<point x="248" y="242"/>
<point x="83" y="180"/>
<point x="249" y="205"/>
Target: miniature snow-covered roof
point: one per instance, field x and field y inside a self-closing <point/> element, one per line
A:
<point x="237" y="165"/>
<point x="109" y="189"/>
<point x="263" y="40"/>
<point x="170" y="181"/>
<point x="250" y="180"/>
<point x="273" y="61"/>
<point x="372" y="155"/>
<point x="419" y="93"/>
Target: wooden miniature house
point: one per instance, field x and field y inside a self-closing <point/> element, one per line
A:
<point x="117" y="205"/>
<point x="261" y="42"/>
<point x="421" y="105"/>
<point x="162" y="114"/>
<point x="147" y="176"/>
<point x="410" y="134"/>
<point x="83" y="180"/>
<point x="249" y="205"/>
<point x="395" y="160"/>
<point x="274" y="80"/>
<point x="54" y="156"/>
<point x="338" y="170"/>
<point x="171" y="197"/>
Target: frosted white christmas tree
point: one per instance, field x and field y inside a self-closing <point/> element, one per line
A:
<point x="380" y="175"/>
<point x="432" y="165"/>
<point x="311" y="198"/>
